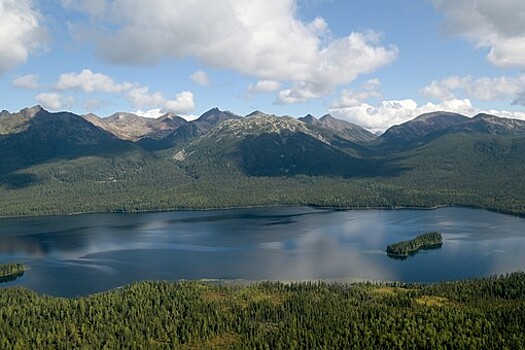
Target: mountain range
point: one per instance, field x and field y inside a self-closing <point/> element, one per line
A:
<point x="63" y="162"/>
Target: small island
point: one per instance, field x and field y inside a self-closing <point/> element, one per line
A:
<point x="10" y="272"/>
<point x="429" y="240"/>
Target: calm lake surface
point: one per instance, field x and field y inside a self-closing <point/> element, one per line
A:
<point x="83" y="254"/>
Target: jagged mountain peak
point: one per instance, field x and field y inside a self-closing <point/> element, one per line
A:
<point x="30" y="112"/>
<point x="167" y="116"/>
<point x="215" y="116"/>
<point x="310" y="119"/>
<point x="341" y="128"/>
<point x="124" y="117"/>
<point x="91" y="115"/>
<point x="261" y="123"/>
<point x="327" y="116"/>
<point x="256" y="113"/>
<point x="17" y="122"/>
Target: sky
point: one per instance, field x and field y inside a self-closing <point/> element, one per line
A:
<point x="375" y="63"/>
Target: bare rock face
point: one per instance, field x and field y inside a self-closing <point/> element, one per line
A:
<point x="129" y="126"/>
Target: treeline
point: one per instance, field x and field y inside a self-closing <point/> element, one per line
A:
<point x="481" y="314"/>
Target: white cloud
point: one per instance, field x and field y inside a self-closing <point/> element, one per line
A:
<point x="141" y="97"/>
<point x="442" y="89"/>
<point x="257" y="38"/>
<point x="93" y="104"/>
<point x="342" y="61"/>
<point x="483" y="89"/>
<point x="54" y="101"/>
<point x="350" y="98"/>
<point x="157" y="112"/>
<point x="394" y="112"/>
<point x="183" y="103"/>
<point x="501" y="88"/>
<point x="91" y="82"/>
<point x="200" y="78"/>
<point x="497" y="25"/>
<point x="388" y="113"/>
<point x="21" y="32"/>
<point x="150" y="113"/>
<point x="263" y="86"/>
<point x="93" y="7"/>
<point x="29" y="82"/>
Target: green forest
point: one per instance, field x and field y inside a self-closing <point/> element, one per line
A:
<point x="405" y="248"/>
<point x="486" y="313"/>
<point x="11" y="269"/>
<point x="217" y="170"/>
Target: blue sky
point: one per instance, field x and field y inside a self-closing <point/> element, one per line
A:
<point x="372" y="62"/>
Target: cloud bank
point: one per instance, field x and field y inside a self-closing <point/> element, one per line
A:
<point x="54" y="101"/>
<point x="138" y="96"/>
<point x="501" y="88"/>
<point x="21" y="32"/>
<point x="257" y="38"/>
<point x="355" y="106"/>
<point x="29" y="81"/>
<point x="497" y="25"/>
<point x="200" y="78"/>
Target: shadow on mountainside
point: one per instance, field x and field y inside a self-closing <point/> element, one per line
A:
<point x="54" y="138"/>
<point x="274" y="156"/>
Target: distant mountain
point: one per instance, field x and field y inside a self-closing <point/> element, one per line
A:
<point x="215" y="116"/>
<point x="430" y="126"/>
<point x="129" y="126"/>
<point x="491" y="124"/>
<point x="422" y="127"/>
<point x="188" y="130"/>
<point x="266" y="145"/>
<point x="11" y="123"/>
<point x="310" y="119"/>
<point x="344" y="129"/>
<point x="40" y="136"/>
<point x="206" y="122"/>
<point x="62" y="162"/>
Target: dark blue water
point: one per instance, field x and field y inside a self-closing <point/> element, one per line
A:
<point x="83" y="254"/>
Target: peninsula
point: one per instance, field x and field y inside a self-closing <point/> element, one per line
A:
<point x="403" y="249"/>
<point x="9" y="272"/>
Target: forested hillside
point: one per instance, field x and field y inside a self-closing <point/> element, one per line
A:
<point x="55" y="163"/>
<point x="481" y="314"/>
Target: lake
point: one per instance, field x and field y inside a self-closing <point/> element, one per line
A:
<point x="82" y="254"/>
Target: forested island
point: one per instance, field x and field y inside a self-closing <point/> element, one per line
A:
<point x="403" y="249"/>
<point x="485" y="313"/>
<point x="9" y="272"/>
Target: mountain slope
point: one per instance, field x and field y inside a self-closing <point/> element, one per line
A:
<point x="188" y="131"/>
<point x="422" y="128"/>
<point x="57" y="137"/>
<point x="491" y="124"/>
<point x="129" y="126"/>
<point x="60" y="162"/>
<point x="265" y="145"/>
<point x="341" y="128"/>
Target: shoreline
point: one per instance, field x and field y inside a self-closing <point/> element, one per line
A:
<point x="320" y="207"/>
<point x="246" y="283"/>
